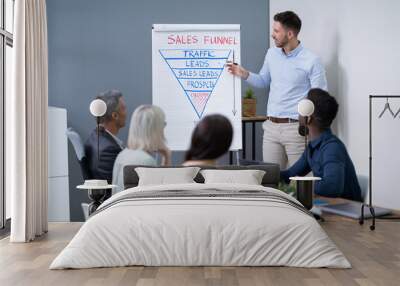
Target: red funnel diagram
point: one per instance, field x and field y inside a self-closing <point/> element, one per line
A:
<point x="197" y="71"/>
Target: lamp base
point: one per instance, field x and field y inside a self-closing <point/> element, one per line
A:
<point x="97" y="197"/>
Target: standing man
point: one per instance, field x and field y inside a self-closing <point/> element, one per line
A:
<point x="109" y="144"/>
<point x="290" y="71"/>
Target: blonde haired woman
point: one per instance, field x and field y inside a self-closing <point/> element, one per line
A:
<point x="145" y="138"/>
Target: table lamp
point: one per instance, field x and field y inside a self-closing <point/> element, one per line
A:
<point x="98" y="108"/>
<point x="305" y="185"/>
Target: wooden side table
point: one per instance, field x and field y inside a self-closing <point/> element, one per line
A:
<point x="253" y="120"/>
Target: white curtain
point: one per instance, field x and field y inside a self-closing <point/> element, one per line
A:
<point x="27" y="123"/>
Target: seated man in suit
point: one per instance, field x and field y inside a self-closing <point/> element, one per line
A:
<point x="109" y="144"/>
<point x="327" y="155"/>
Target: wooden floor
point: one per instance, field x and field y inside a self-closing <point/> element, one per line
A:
<point x="374" y="255"/>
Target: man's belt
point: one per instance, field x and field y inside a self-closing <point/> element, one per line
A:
<point x="281" y="120"/>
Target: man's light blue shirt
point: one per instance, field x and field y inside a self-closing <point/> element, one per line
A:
<point x="290" y="77"/>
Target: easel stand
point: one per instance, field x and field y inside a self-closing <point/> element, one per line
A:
<point x="369" y="205"/>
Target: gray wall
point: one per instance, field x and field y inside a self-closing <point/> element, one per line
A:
<point x="101" y="44"/>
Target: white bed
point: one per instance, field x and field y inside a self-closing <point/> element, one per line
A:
<point x="264" y="229"/>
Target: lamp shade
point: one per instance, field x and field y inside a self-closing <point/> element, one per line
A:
<point x="305" y="107"/>
<point x="98" y="107"/>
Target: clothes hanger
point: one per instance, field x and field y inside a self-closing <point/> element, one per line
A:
<point x="387" y="107"/>
<point x="397" y="113"/>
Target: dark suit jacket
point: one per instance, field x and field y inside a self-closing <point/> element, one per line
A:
<point x="109" y="149"/>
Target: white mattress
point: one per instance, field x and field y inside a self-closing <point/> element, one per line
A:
<point x="191" y="231"/>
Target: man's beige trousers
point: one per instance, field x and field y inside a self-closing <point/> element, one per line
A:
<point x="282" y="143"/>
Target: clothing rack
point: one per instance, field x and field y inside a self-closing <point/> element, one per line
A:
<point x="369" y="205"/>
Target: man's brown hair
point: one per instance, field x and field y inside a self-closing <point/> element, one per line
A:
<point x="289" y="20"/>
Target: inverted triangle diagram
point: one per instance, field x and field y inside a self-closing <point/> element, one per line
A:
<point x="197" y="71"/>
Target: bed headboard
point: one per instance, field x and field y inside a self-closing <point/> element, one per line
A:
<point x="270" y="179"/>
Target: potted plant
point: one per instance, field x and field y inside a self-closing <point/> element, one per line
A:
<point x="289" y="189"/>
<point x="249" y="104"/>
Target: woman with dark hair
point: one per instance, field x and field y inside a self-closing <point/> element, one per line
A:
<point x="211" y="139"/>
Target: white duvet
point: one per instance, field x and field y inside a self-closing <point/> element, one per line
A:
<point x="200" y="231"/>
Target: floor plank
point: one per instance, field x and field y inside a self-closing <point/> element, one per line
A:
<point x="374" y="255"/>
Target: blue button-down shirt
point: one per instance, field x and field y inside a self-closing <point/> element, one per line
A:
<point x="290" y="77"/>
<point x="328" y="158"/>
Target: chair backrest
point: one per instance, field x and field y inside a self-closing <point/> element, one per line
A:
<point x="270" y="179"/>
<point x="79" y="149"/>
<point x="76" y="142"/>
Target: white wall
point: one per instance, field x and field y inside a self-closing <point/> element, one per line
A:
<point x="322" y="41"/>
<point x="359" y="44"/>
<point x="370" y="64"/>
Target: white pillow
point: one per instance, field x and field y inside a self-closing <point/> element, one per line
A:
<point x="248" y="177"/>
<point x="166" y="176"/>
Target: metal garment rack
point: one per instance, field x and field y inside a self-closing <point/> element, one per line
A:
<point x="369" y="205"/>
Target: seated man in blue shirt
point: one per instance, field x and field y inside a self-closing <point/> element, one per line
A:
<point x="327" y="156"/>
